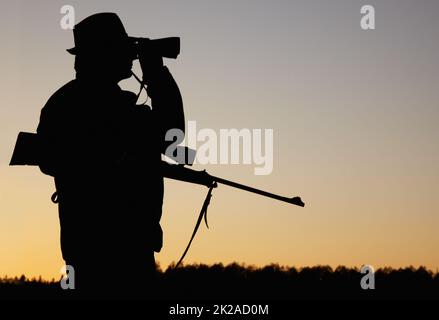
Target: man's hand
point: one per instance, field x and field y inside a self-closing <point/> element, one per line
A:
<point x="151" y="64"/>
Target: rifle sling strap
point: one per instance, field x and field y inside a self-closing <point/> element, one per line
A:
<point x="203" y="213"/>
<point x="54" y="197"/>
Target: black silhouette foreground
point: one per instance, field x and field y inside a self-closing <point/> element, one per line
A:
<point x="104" y="152"/>
<point x="267" y="284"/>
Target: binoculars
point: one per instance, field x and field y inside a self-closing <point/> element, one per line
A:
<point x="164" y="47"/>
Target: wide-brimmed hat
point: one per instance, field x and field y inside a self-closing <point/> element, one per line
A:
<point x="100" y="32"/>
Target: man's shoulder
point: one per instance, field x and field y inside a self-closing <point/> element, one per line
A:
<point x="66" y="92"/>
<point x="60" y="101"/>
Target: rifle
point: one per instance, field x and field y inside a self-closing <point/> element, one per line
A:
<point x="180" y="172"/>
<point x="27" y="152"/>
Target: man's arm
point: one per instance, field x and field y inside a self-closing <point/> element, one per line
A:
<point x="167" y="103"/>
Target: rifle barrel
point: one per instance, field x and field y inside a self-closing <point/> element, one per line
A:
<point x="294" y="200"/>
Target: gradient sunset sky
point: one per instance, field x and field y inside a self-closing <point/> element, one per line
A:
<point x="355" y="117"/>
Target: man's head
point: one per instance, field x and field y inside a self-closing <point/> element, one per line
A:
<point x="103" y="48"/>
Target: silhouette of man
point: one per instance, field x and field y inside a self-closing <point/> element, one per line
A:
<point x="104" y="152"/>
